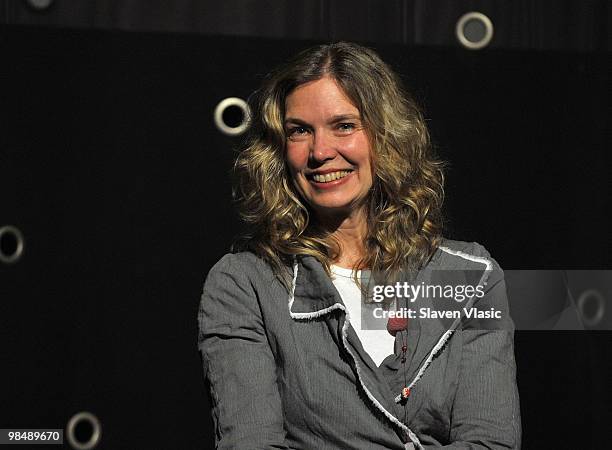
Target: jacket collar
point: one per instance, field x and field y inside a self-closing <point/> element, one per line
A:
<point x="313" y="293"/>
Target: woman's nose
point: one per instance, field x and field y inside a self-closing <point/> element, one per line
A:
<point x="323" y="147"/>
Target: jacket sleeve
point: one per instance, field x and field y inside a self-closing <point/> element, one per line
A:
<point x="485" y="410"/>
<point x="238" y="363"/>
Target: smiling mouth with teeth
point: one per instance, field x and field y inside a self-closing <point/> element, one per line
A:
<point x="332" y="176"/>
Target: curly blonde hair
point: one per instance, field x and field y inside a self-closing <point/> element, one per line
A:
<point x="404" y="219"/>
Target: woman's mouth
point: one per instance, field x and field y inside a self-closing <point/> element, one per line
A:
<point x="329" y="177"/>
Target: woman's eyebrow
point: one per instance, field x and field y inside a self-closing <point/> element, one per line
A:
<point x="333" y="119"/>
<point x="295" y="120"/>
<point x="340" y="117"/>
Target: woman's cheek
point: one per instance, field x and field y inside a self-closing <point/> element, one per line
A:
<point x="297" y="159"/>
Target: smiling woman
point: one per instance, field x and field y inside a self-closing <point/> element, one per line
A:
<point x="333" y="108"/>
<point x="338" y="184"/>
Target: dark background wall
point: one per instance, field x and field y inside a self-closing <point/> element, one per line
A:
<point x="581" y="25"/>
<point x="112" y="169"/>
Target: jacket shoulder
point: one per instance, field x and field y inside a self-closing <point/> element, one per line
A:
<point x="245" y="265"/>
<point x="237" y="259"/>
<point x="454" y="254"/>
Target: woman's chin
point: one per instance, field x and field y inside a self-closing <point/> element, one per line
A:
<point x="335" y="209"/>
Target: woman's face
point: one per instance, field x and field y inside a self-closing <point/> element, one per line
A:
<point x="328" y="149"/>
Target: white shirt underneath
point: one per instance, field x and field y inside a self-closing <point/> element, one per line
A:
<point x="377" y="343"/>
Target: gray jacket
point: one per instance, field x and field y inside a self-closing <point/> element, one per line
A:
<point x="287" y="371"/>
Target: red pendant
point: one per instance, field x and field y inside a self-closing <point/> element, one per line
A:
<point x="405" y="393"/>
<point x="396" y="324"/>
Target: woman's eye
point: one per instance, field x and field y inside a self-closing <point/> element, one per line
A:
<point x="297" y="131"/>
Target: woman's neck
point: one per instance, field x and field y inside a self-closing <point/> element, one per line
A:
<point x="350" y="233"/>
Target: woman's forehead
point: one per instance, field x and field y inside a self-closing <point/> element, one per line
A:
<point x="320" y="97"/>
